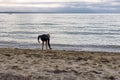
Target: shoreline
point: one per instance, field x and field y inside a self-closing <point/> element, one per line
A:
<point x="91" y="48"/>
<point x="74" y="47"/>
<point x="59" y="64"/>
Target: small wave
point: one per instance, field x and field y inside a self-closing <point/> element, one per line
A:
<point x="101" y="48"/>
<point x="37" y="24"/>
<point x="114" y="25"/>
<point x="48" y="24"/>
<point x="23" y="32"/>
<point x="95" y="23"/>
<point x="72" y="32"/>
<point x="115" y="30"/>
<point x="6" y="42"/>
<point x="28" y="24"/>
<point x="93" y="33"/>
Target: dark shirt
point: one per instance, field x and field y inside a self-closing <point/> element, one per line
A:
<point x="44" y="37"/>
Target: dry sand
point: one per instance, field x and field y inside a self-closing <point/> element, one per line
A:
<point x="34" y="64"/>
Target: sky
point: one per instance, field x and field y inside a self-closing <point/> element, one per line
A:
<point x="62" y="6"/>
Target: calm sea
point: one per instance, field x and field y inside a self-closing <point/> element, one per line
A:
<point x="83" y="32"/>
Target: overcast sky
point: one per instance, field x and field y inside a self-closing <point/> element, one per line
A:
<point x="85" y="6"/>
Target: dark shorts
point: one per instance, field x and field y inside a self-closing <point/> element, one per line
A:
<point x="44" y="38"/>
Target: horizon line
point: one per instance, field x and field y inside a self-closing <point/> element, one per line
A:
<point x="59" y="12"/>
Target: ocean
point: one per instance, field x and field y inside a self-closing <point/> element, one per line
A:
<point x="80" y="32"/>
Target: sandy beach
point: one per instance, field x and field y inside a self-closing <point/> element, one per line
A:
<point x="35" y="64"/>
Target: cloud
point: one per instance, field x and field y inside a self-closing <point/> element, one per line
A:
<point x="83" y="6"/>
<point x="19" y="1"/>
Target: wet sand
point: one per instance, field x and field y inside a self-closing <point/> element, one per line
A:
<point x="34" y="64"/>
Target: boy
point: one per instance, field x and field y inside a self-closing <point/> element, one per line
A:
<point x="45" y="38"/>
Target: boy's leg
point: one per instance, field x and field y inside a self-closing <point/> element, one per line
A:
<point x="47" y="44"/>
<point x="42" y="45"/>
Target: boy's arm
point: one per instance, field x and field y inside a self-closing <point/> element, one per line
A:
<point x="39" y="38"/>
